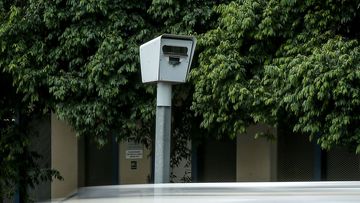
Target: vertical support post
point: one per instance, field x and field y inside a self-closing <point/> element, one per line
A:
<point x="163" y="129"/>
<point x="317" y="163"/>
<point x="22" y="191"/>
<point x="19" y="195"/>
<point x="115" y="161"/>
<point x="194" y="162"/>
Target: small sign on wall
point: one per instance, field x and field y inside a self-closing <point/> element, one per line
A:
<point x="134" y="150"/>
<point x="134" y="154"/>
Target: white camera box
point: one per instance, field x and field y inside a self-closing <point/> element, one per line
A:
<point x="167" y="58"/>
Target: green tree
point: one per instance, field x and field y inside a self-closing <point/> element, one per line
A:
<point x="282" y="59"/>
<point x="79" y="59"/>
<point x="20" y="165"/>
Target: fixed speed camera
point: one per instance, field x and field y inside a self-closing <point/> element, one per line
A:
<point x="167" y="58"/>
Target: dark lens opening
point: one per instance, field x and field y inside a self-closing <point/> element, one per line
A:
<point x="175" y="50"/>
<point x="174" y="60"/>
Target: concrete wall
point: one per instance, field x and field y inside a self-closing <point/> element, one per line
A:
<point x="134" y="170"/>
<point x="64" y="158"/>
<point x="256" y="158"/>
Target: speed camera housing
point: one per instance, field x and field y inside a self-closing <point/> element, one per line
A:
<point x="167" y="58"/>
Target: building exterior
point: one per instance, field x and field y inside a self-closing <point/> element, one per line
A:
<point x="289" y="157"/>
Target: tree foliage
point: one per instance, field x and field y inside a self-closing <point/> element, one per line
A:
<point x="258" y="61"/>
<point x="79" y="59"/>
<point x="20" y="168"/>
<point x="83" y="56"/>
<point x="267" y="59"/>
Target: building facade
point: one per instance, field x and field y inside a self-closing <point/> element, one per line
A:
<point x="289" y="157"/>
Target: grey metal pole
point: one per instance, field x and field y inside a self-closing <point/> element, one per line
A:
<point x="163" y="129"/>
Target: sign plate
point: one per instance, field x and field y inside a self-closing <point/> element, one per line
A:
<point x="134" y="154"/>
